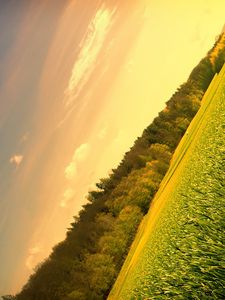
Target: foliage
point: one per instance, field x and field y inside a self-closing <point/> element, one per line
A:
<point x="183" y="254"/>
<point x="86" y="264"/>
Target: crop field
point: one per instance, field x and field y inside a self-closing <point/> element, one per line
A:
<point x="179" y="250"/>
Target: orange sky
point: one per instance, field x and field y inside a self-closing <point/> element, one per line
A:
<point x="81" y="82"/>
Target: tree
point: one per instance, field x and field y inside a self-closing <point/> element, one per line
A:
<point x="101" y="272"/>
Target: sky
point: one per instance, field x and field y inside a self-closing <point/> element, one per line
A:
<point x="79" y="82"/>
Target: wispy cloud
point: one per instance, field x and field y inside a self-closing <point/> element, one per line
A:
<point x="16" y="159"/>
<point x="79" y="156"/>
<point x="71" y="170"/>
<point x="81" y="153"/>
<point x="67" y="197"/>
<point x="32" y="257"/>
<point x="90" y="49"/>
<point x="119" y="139"/>
<point x="24" y="138"/>
<point x="103" y="132"/>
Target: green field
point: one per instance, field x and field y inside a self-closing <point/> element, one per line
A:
<point x="179" y="249"/>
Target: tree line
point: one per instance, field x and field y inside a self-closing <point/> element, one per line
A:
<point x="85" y="265"/>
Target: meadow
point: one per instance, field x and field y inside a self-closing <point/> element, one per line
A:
<point x="179" y="252"/>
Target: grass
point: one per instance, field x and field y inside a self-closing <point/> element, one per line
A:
<point x="179" y="251"/>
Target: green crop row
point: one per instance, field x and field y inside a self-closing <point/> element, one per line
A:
<point x="179" y="250"/>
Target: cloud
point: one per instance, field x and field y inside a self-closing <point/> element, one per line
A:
<point x="16" y="159"/>
<point x="119" y="139"/>
<point x="24" y="138"/>
<point x="90" y="49"/>
<point x="102" y="133"/>
<point x="71" y="170"/>
<point x="67" y="197"/>
<point x="81" y="153"/>
<point x="79" y="156"/>
<point x="32" y="258"/>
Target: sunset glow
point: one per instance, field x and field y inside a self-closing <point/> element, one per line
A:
<point x="80" y="80"/>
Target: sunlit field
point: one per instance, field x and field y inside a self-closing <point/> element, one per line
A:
<point x="179" y="249"/>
